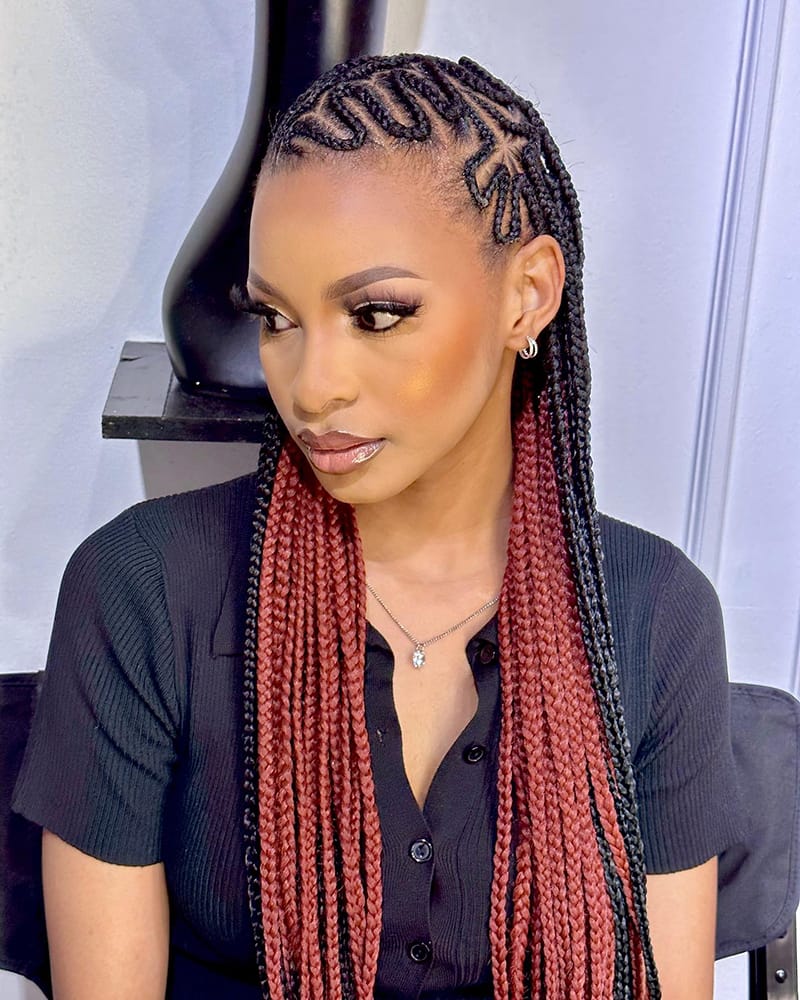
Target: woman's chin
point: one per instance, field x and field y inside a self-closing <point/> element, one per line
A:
<point x="359" y="487"/>
<point x="357" y="494"/>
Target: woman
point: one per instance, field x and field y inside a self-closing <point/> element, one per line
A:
<point x="485" y="742"/>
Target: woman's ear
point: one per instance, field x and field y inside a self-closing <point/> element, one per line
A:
<point x="535" y="282"/>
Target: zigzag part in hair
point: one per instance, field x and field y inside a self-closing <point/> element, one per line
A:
<point x="397" y="104"/>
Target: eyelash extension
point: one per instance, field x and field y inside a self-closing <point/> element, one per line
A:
<point x="389" y="305"/>
<point x="243" y="302"/>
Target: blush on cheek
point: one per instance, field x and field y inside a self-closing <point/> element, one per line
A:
<point x="417" y="387"/>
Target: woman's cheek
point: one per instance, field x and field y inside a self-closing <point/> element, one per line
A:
<point x="429" y="380"/>
<point x="417" y="387"/>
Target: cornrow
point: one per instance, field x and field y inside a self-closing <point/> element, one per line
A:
<point x="567" y="911"/>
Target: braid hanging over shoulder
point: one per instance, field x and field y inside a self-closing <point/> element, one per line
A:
<point x="568" y="917"/>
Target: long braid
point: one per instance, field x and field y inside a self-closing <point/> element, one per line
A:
<point x="567" y="914"/>
<point x="555" y="678"/>
<point x="321" y="630"/>
<point x="267" y="467"/>
<point x="582" y="526"/>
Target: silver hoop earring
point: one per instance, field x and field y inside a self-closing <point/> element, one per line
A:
<point x="530" y="351"/>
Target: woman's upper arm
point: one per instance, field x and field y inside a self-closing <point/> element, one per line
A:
<point x="107" y="925"/>
<point x="689" y="805"/>
<point x="682" y="911"/>
<point x="687" y="789"/>
<point x="104" y="739"/>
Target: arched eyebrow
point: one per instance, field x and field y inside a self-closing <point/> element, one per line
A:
<point x="340" y="287"/>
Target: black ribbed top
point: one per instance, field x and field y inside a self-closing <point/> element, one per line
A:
<point x="135" y="752"/>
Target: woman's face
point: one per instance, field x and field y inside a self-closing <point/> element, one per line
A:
<point x="380" y="338"/>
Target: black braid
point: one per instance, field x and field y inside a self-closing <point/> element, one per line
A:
<point x="583" y="534"/>
<point x="345" y="958"/>
<point x="623" y="984"/>
<point x="386" y="102"/>
<point x="267" y="465"/>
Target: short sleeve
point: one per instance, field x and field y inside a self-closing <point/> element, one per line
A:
<point x="103" y="741"/>
<point x="689" y="804"/>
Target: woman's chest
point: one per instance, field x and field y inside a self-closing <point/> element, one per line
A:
<point x="424" y="885"/>
<point x="434" y="704"/>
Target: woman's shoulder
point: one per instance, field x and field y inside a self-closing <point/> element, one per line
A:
<point x="180" y="559"/>
<point x="179" y="528"/>
<point x="644" y="569"/>
<point x="145" y="603"/>
<point x="666" y="622"/>
<point x="205" y="517"/>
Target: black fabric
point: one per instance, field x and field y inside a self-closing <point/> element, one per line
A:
<point x="759" y="880"/>
<point x="23" y="944"/>
<point x="135" y="752"/>
<point x="456" y="821"/>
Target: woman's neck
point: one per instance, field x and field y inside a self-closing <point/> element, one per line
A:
<point x="452" y="525"/>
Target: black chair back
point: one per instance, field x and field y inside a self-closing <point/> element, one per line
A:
<point x="23" y="939"/>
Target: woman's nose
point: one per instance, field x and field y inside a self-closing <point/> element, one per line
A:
<point x="325" y="377"/>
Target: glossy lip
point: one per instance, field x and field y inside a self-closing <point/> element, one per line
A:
<point x="333" y="440"/>
<point x="337" y="452"/>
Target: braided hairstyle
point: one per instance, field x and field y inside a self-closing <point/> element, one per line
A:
<point x="567" y="912"/>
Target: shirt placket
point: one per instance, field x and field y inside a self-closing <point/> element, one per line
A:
<point x="411" y="837"/>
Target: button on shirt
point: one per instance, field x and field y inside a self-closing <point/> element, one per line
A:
<point x="437" y="861"/>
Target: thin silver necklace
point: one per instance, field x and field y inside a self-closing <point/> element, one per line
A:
<point x="418" y="656"/>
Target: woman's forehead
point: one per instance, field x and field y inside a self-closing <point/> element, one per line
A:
<point x="351" y="181"/>
<point x="361" y="210"/>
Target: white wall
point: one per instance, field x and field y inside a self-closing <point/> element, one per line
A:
<point x="759" y="567"/>
<point x="116" y="121"/>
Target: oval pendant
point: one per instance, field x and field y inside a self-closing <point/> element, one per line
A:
<point x="418" y="657"/>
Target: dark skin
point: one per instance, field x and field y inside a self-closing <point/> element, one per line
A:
<point x="432" y="510"/>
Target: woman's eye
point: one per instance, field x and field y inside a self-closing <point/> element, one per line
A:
<point x="272" y="321"/>
<point x="379" y="317"/>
